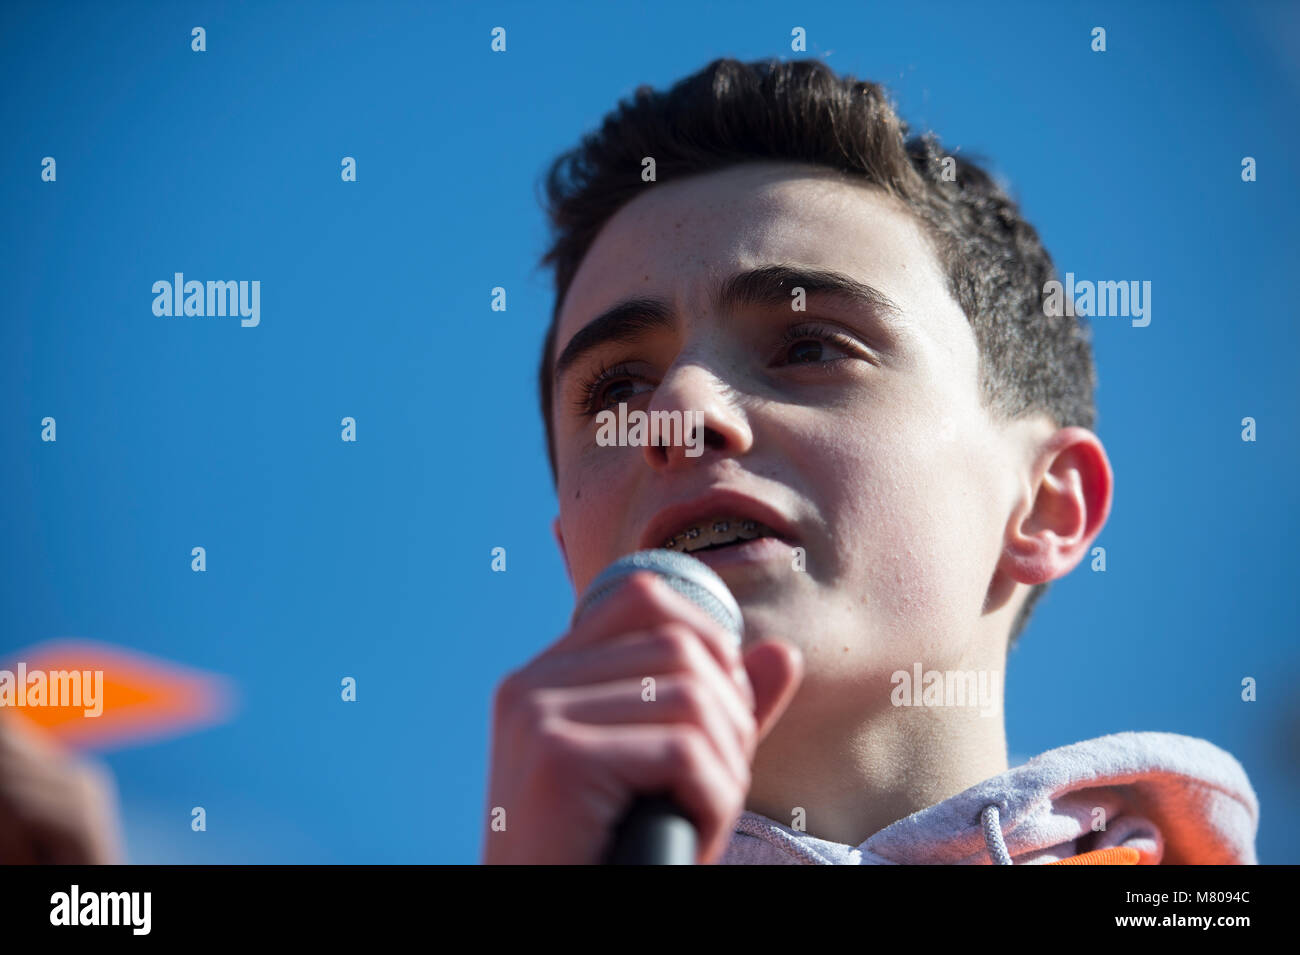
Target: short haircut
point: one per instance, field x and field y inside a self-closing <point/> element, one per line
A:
<point x="732" y="112"/>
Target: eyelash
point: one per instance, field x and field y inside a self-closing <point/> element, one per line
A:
<point x="801" y="333"/>
<point x="589" y="390"/>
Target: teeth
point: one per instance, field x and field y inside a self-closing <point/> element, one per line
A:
<point x="717" y="531"/>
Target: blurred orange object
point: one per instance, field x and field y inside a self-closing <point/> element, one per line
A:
<point x="140" y="699"/>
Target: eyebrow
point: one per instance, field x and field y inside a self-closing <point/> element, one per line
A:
<point x="633" y="319"/>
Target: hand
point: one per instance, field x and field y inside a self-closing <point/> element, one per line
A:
<point x="54" y="809"/>
<point x="574" y="742"/>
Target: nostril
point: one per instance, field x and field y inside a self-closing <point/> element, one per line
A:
<point x="713" y="440"/>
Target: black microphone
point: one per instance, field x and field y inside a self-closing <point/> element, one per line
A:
<point x="655" y="831"/>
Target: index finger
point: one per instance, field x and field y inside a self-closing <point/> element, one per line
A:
<point x="642" y="601"/>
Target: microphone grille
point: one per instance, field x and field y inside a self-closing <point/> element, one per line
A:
<point x="689" y="576"/>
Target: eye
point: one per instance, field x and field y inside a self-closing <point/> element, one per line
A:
<point x="815" y="345"/>
<point x="609" y="386"/>
<point x="616" y="391"/>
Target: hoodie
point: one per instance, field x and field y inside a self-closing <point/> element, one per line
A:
<point x="1164" y="799"/>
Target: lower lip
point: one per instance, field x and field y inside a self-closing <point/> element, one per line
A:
<point x="756" y="551"/>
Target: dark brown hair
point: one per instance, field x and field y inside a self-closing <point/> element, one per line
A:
<point x="732" y="112"/>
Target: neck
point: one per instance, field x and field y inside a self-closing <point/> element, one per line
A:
<point x="859" y="777"/>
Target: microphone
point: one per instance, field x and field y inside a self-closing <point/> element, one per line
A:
<point x="655" y="831"/>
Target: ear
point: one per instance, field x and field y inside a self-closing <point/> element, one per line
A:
<point x="1070" y="496"/>
<point x="559" y="539"/>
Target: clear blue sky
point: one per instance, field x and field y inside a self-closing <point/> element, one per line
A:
<point x="371" y="560"/>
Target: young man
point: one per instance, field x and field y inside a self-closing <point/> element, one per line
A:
<point x="895" y="461"/>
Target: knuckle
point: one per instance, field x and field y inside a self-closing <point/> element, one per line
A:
<point x="530" y="711"/>
<point x="687" y="750"/>
<point x="695" y="700"/>
<point x="551" y="744"/>
<point x="640" y="589"/>
<point x="675" y="643"/>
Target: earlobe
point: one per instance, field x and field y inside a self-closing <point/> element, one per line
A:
<point x="1071" y="497"/>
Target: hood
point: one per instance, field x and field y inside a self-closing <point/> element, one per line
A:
<point x="1163" y="799"/>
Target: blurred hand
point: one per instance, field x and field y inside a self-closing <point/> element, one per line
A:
<point x="55" y="809"/>
<point x="573" y="742"/>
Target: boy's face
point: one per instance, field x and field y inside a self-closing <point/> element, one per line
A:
<point x="874" y="446"/>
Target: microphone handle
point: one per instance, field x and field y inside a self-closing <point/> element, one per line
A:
<point x="653" y="832"/>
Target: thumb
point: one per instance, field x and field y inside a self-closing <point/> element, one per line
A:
<point x="775" y="670"/>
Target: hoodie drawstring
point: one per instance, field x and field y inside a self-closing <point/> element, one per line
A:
<point x="993" y="835"/>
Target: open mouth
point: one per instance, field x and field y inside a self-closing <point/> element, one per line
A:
<point x="717" y="533"/>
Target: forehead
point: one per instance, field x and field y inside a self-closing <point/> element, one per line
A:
<point x="681" y="239"/>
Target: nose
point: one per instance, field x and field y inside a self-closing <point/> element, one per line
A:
<point x="712" y="422"/>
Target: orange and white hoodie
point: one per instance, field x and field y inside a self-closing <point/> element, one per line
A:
<point x="1123" y="799"/>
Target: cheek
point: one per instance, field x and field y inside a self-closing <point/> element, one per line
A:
<point x="901" y="508"/>
<point x="594" y="492"/>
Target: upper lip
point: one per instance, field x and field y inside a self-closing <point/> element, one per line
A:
<point x="719" y="502"/>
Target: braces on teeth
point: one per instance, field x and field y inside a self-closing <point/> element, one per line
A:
<point x="721" y="528"/>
